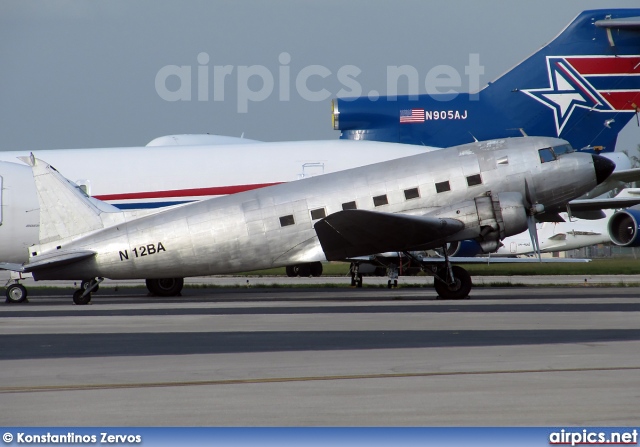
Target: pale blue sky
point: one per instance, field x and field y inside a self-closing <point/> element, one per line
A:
<point x="82" y="73"/>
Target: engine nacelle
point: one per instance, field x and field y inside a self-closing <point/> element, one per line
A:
<point x="488" y="219"/>
<point x="624" y="227"/>
<point x="19" y="212"/>
<point x="464" y="249"/>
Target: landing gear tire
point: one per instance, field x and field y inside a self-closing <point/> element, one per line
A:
<point x="79" y="299"/>
<point x="291" y="271"/>
<point x="316" y="269"/>
<point x="165" y="286"/>
<point x="84" y="285"/>
<point x="459" y="289"/>
<point x="16" y="293"/>
<point x="304" y="270"/>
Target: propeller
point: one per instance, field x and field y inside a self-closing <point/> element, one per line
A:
<point x="534" y="208"/>
<point x="533" y="234"/>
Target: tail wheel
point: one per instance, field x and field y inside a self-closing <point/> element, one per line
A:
<point x="460" y="287"/>
<point x="165" y="286"/>
<point x="16" y="293"/>
<point x="79" y="299"/>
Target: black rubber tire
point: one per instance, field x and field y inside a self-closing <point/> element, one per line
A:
<point x="304" y="270"/>
<point x="79" y="299"/>
<point x="316" y="269"/>
<point x="165" y="286"/>
<point x="291" y="273"/>
<point x="457" y="291"/>
<point x="16" y="293"/>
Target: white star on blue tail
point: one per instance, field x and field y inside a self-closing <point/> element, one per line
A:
<point x="568" y="90"/>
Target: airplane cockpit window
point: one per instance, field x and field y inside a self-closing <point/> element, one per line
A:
<point x="563" y="149"/>
<point x="546" y="155"/>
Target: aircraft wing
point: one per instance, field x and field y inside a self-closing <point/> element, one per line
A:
<point x="477" y="259"/>
<point x="353" y="233"/>
<point x="602" y="204"/>
<point x="507" y="260"/>
<point x="54" y="259"/>
<point x="625" y="175"/>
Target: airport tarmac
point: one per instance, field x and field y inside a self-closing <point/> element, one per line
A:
<point x="323" y="357"/>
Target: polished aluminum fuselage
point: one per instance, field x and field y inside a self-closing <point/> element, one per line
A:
<point x="244" y="231"/>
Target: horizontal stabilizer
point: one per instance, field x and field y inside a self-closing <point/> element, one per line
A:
<point x="48" y="260"/>
<point x="358" y="232"/>
<point x="629" y="23"/>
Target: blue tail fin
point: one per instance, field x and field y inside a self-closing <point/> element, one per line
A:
<point x="584" y="87"/>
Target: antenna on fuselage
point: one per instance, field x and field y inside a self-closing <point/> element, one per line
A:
<point x="522" y="132"/>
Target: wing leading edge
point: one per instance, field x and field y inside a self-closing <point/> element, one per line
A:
<point x="353" y="233"/>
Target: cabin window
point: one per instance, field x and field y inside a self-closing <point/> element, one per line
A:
<point x="443" y="187"/>
<point x="380" y="200"/>
<point x="474" y="180"/>
<point x="318" y="214"/>
<point x="412" y="193"/>
<point x="349" y="206"/>
<point x="285" y="221"/>
<point x="563" y="149"/>
<point x="546" y="155"/>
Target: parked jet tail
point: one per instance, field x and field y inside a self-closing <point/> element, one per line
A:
<point x="584" y="87"/>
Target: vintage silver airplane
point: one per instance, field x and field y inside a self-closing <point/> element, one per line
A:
<point x="484" y="191"/>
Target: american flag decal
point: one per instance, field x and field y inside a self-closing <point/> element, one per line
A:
<point x="412" y="116"/>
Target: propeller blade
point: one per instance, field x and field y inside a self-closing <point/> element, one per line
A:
<point x="533" y="233"/>
<point x="529" y="193"/>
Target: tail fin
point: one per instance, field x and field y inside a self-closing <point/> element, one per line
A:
<point x="65" y="210"/>
<point x="584" y="86"/>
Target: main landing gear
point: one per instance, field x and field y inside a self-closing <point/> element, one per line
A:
<point x="451" y="282"/>
<point x="304" y="270"/>
<point x="165" y="286"/>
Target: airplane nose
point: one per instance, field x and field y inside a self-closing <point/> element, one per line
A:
<point x="603" y="167"/>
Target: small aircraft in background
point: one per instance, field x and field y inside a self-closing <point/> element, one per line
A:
<point x="484" y="191"/>
<point x="582" y="87"/>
